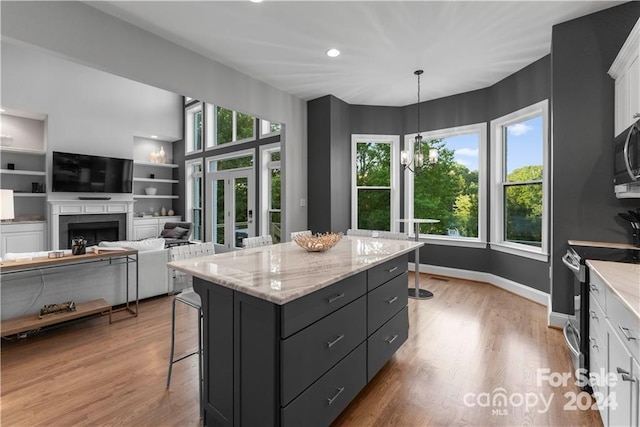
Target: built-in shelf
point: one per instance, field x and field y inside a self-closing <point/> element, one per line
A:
<point x="161" y="181"/>
<point x="159" y="165"/>
<point x="23" y="151"/>
<point x="29" y="194"/>
<point x="22" y="172"/>
<point x="159" y="196"/>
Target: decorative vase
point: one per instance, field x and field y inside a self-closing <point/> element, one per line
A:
<point x="171" y="212"/>
<point x="163" y="211"/>
<point x="154" y="156"/>
<point x="162" y="156"/>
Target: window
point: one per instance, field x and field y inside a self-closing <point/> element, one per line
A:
<point x="194" y="197"/>
<point x="375" y="199"/>
<point x="271" y="219"/>
<point x="230" y="126"/>
<point x="193" y="128"/>
<point x="453" y="190"/>
<point x="520" y="195"/>
<point x="268" y="128"/>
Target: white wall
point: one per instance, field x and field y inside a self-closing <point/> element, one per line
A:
<point x="88" y="111"/>
<point x="83" y="34"/>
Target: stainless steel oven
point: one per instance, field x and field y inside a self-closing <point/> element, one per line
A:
<point x="576" y="331"/>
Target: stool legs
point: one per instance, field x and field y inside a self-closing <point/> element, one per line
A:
<point x="173" y="341"/>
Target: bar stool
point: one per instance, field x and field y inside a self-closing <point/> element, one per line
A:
<point x="192" y="299"/>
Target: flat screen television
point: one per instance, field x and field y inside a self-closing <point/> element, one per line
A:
<point x="82" y="173"/>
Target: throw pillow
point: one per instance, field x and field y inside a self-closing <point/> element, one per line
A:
<point x="174" y="233"/>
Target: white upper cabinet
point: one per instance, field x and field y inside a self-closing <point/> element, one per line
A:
<point x="626" y="72"/>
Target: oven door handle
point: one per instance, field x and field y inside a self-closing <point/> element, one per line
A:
<point x="569" y="343"/>
<point x="625" y="150"/>
<point x="565" y="261"/>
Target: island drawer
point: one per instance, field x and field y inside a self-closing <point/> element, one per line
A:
<point x="321" y="403"/>
<point x="304" y="311"/>
<point x="386" y="271"/>
<point x="386" y="341"/>
<point x="307" y="355"/>
<point x="385" y="301"/>
<point x="624" y="322"/>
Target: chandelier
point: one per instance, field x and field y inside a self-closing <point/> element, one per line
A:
<point x="417" y="164"/>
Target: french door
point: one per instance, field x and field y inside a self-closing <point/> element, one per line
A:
<point x="232" y="213"/>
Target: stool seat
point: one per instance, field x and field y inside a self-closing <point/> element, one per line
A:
<point x="190" y="297"/>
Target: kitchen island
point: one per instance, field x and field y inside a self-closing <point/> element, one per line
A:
<point x="291" y="337"/>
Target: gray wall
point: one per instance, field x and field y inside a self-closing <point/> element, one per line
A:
<point x="584" y="205"/>
<point x="80" y="33"/>
<point x="526" y="87"/>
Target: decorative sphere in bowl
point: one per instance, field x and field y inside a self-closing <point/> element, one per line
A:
<point x="319" y="242"/>
<point x="150" y="191"/>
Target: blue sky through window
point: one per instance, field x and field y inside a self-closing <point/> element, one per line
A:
<point x="524" y="146"/>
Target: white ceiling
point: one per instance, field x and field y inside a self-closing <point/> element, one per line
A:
<point x="462" y="46"/>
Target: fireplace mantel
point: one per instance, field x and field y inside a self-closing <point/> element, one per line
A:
<point x="122" y="204"/>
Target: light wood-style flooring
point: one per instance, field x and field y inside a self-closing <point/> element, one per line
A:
<point x="470" y="342"/>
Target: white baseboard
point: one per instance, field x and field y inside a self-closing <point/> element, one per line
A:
<point x="531" y="294"/>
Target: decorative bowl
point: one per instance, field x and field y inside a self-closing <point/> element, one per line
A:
<point x="150" y="191"/>
<point x="319" y="242"/>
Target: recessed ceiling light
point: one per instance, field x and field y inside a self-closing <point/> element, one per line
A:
<point x="332" y="53"/>
<point x="256" y="1"/>
<point x="154" y="136"/>
<point x="2" y="110"/>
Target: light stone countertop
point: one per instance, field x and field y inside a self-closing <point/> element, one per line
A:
<point x="284" y="272"/>
<point x="609" y="245"/>
<point x="623" y="279"/>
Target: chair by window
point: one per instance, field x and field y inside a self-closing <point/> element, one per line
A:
<point x="256" y="242"/>
<point x="177" y="233"/>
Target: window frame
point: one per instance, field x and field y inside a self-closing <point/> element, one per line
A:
<point x="394" y="180"/>
<point x="189" y="112"/>
<point x="497" y="194"/>
<point x="268" y="134"/>
<point x="189" y="180"/>
<point x="211" y="125"/>
<point x="266" y="165"/>
<point x="471" y="242"/>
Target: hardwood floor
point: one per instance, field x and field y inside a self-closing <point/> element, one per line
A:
<point x="471" y="342"/>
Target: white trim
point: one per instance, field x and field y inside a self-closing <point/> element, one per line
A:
<point x="516" y="288"/>
<point x="476" y="128"/>
<point x="189" y="112"/>
<point x="232" y="155"/>
<point x="264" y="156"/>
<point x="464" y="242"/>
<point x="497" y="217"/>
<point x="394" y="141"/>
<point x="626" y="51"/>
<point x="188" y="179"/>
<point x="520" y="250"/>
<point x="555" y="319"/>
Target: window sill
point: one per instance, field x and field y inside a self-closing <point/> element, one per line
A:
<point x="464" y="242"/>
<point x="521" y="250"/>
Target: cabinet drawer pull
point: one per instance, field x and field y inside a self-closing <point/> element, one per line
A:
<point x="393" y="269"/>
<point x="331" y="399"/>
<point x="636" y="115"/>
<point x="627" y="333"/>
<point x="392" y="300"/>
<point x="625" y="375"/>
<point x="593" y="314"/>
<point x="392" y="339"/>
<point x="334" y="298"/>
<point x="593" y="342"/>
<point x="334" y="342"/>
<point x="594" y="287"/>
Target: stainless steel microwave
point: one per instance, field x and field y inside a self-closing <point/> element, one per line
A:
<point x="626" y="163"/>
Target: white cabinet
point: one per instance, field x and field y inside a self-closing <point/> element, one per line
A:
<point x="144" y="228"/>
<point x="22" y="237"/>
<point x="614" y="331"/>
<point x="626" y="72"/>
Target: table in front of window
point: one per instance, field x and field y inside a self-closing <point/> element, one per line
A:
<point x="417" y="293"/>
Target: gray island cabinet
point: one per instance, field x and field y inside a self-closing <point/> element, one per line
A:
<point x="291" y="337"/>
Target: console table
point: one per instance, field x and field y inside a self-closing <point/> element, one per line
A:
<point x="30" y="322"/>
<point x="291" y="337"/>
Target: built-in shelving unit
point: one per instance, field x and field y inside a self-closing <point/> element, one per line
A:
<point x="22" y="172"/>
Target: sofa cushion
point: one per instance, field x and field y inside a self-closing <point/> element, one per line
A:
<point x="174" y="233"/>
<point x="140" y="245"/>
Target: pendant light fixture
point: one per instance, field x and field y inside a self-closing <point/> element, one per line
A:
<point x="417" y="163"/>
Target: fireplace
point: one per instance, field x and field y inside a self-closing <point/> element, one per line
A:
<point x="93" y="228"/>
<point x="93" y="232"/>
